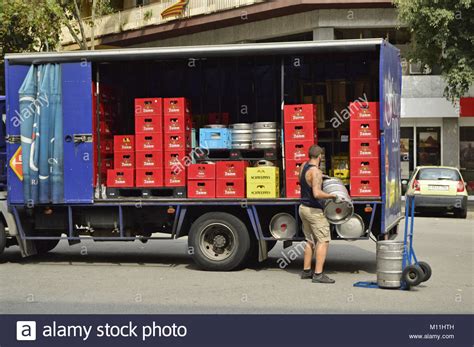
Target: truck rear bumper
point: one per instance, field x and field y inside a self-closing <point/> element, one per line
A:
<point x="436" y="201"/>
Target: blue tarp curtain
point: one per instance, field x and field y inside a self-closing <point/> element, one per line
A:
<point x="41" y="134"/>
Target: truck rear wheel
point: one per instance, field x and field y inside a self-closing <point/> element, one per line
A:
<point x="219" y="241"/>
<point x="3" y="238"/>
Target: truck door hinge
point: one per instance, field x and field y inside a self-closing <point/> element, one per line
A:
<point x="81" y="138"/>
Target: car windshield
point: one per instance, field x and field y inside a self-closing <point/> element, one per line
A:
<point x="438" y="174"/>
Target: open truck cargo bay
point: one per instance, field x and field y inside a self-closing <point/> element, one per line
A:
<point x="251" y="82"/>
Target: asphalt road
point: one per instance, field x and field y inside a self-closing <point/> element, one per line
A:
<point x="159" y="277"/>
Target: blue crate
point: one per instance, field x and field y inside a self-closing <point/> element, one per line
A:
<point x="214" y="138"/>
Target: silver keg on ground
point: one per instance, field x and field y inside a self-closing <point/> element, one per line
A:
<point x="265" y="135"/>
<point x="389" y="263"/>
<point x="337" y="213"/>
<point x="241" y="135"/>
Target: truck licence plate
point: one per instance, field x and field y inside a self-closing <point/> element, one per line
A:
<point x="438" y="188"/>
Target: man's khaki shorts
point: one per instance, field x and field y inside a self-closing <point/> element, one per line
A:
<point x="315" y="224"/>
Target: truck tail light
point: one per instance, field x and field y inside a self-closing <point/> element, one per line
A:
<point x="460" y="186"/>
<point x="416" y="185"/>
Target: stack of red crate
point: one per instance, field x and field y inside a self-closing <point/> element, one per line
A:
<point x="177" y="140"/>
<point x="230" y="181"/>
<point x="300" y="135"/>
<point x="149" y="142"/>
<point x="202" y="181"/>
<point x="364" y="150"/>
<point x="108" y="112"/>
<point x="122" y="175"/>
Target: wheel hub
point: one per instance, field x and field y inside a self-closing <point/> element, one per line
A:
<point x="217" y="241"/>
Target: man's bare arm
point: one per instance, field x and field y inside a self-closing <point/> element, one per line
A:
<point x="317" y="184"/>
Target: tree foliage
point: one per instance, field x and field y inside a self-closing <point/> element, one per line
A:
<point x="442" y="35"/>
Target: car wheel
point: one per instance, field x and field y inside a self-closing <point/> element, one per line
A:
<point x="461" y="213"/>
<point x="426" y="268"/>
<point x="220" y="241"/>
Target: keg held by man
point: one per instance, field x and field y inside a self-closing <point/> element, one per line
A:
<point x="315" y="224"/>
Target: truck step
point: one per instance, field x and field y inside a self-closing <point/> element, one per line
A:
<point x="146" y="193"/>
<point x="239" y="154"/>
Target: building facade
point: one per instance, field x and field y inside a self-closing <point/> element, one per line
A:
<point x="433" y="130"/>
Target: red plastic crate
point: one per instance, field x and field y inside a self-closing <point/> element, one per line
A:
<point x="365" y="186"/>
<point x="148" y="124"/>
<point x="364" y="129"/>
<point x="231" y="169"/>
<point x="104" y="128"/>
<point x="149" y="142"/>
<point x="297" y="150"/>
<point x="218" y="118"/>
<point x="364" y="148"/>
<point x="149" y="177"/>
<point x="175" y="159"/>
<point x="176" y="142"/>
<point x="179" y="123"/>
<point x="148" y="107"/>
<point x="369" y="166"/>
<point x="293" y="188"/>
<point x="230" y="188"/>
<point x="148" y="159"/>
<point x="303" y="113"/>
<point x="202" y="172"/>
<point x="124" y="143"/>
<point x="293" y="168"/>
<point x="175" y="178"/>
<point x="106" y="146"/>
<point x="300" y="132"/>
<point x="362" y="110"/>
<point x="120" y="178"/>
<point x="201" y="188"/>
<point x="124" y="160"/>
<point x="176" y="106"/>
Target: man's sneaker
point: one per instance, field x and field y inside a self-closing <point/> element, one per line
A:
<point x="305" y="274"/>
<point x="322" y="278"/>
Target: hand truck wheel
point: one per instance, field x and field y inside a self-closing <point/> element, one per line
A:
<point x="412" y="275"/>
<point x="426" y="268"/>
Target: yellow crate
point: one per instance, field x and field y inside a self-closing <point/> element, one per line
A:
<point x="263" y="190"/>
<point x="263" y="174"/>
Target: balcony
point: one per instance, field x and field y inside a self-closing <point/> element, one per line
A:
<point x="150" y="15"/>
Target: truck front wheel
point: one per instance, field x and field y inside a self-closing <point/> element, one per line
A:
<point x="219" y="241"/>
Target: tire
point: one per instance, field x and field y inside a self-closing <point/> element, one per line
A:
<point x="3" y="238"/>
<point x="44" y="246"/>
<point x="412" y="275"/>
<point x="461" y="213"/>
<point x="426" y="268"/>
<point x="220" y="241"/>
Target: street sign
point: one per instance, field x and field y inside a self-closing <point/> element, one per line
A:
<point x="16" y="163"/>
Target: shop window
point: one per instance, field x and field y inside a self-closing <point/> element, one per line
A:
<point x="466" y="156"/>
<point x="428" y="151"/>
<point x="406" y="151"/>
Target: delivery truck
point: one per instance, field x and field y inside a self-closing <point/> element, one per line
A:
<point x="203" y="142"/>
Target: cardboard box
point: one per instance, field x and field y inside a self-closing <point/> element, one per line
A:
<point x="364" y="129"/>
<point x="202" y="172"/>
<point x="201" y="188"/>
<point x="364" y="186"/>
<point x="175" y="178"/>
<point x="149" y="177"/>
<point x="148" y="124"/>
<point x="148" y="159"/>
<point x="148" y="107"/>
<point x="231" y="169"/>
<point x="297" y="150"/>
<point x="303" y="113"/>
<point x="174" y="106"/>
<point x="120" y="178"/>
<point x="177" y="124"/>
<point x="364" y="111"/>
<point x="124" y="143"/>
<point x="369" y="166"/>
<point x="149" y="142"/>
<point x="293" y="188"/>
<point x="300" y="132"/>
<point x="124" y="160"/>
<point x="364" y="148"/>
<point x="230" y="188"/>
